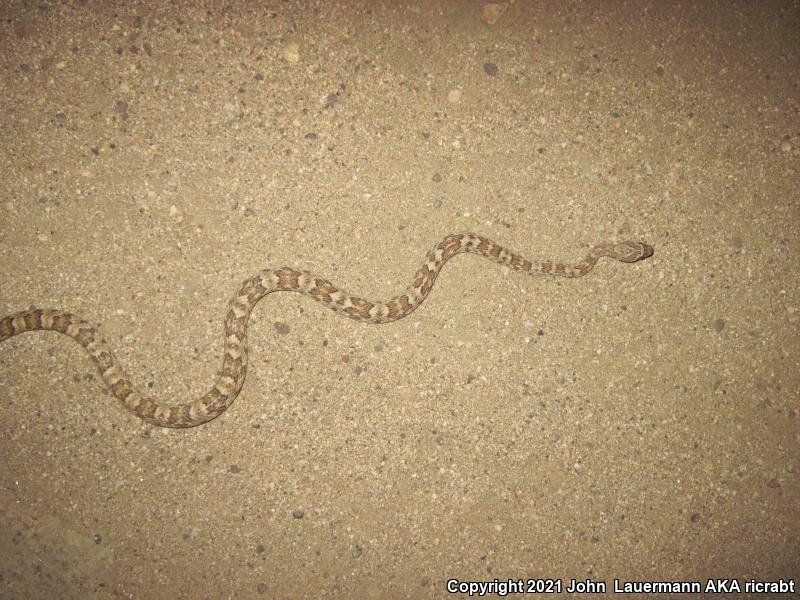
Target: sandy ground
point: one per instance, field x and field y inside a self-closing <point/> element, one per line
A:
<point x="639" y="424"/>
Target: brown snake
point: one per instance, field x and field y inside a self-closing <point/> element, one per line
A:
<point x="231" y="377"/>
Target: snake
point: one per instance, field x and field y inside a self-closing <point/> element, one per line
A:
<point x="230" y="378"/>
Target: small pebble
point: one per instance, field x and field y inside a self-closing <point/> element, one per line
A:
<point x="291" y="52"/>
<point x="492" y="11"/>
<point x="331" y="100"/>
<point x="454" y="96"/>
<point x="229" y="110"/>
<point x="591" y="175"/>
<point x="176" y="213"/>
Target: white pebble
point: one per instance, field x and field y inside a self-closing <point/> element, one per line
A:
<point x="291" y="52"/>
<point x="229" y="110"/>
<point x="176" y="213"/>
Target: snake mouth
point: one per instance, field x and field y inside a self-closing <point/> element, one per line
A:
<point x="647" y="251"/>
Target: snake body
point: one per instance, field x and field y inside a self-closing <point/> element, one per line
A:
<point x="230" y="379"/>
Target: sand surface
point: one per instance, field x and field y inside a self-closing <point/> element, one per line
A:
<point x="640" y="423"/>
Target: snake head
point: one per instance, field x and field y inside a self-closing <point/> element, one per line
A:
<point x="631" y="251"/>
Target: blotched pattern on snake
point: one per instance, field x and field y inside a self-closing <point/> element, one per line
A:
<point x="231" y="376"/>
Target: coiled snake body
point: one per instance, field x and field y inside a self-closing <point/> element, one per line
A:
<point x="231" y="376"/>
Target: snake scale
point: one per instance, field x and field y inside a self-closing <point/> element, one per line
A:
<point x="231" y="376"/>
